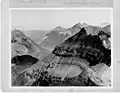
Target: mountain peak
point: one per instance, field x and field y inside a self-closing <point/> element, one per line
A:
<point x="17" y="33"/>
<point x="84" y="25"/>
<point x="78" y="25"/>
<point x="104" y="25"/>
<point x="71" y="62"/>
<point x="89" y="43"/>
<point x="58" y="28"/>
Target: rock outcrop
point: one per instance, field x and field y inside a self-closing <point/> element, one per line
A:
<point x="81" y="60"/>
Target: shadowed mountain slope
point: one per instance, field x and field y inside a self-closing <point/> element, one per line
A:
<point x="81" y="60"/>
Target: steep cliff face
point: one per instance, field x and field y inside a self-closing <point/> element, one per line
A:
<point x="81" y="60"/>
<point x="89" y="47"/>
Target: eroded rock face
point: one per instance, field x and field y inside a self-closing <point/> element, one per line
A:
<point x="81" y="60"/>
<point x="89" y="47"/>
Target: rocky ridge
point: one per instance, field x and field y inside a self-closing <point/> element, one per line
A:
<point x="83" y="54"/>
<point x="57" y="35"/>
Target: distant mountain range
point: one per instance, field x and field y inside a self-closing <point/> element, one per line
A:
<point x="80" y="57"/>
<point x="36" y="35"/>
<point x="59" y="34"/>
<point x="49" y="39"/>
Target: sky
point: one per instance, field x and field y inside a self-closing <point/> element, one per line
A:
<point x="46" y="19"/>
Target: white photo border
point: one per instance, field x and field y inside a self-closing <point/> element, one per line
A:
<point x="55" y="87"/>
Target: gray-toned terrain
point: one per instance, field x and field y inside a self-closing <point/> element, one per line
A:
<point x="80" y="56"/>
